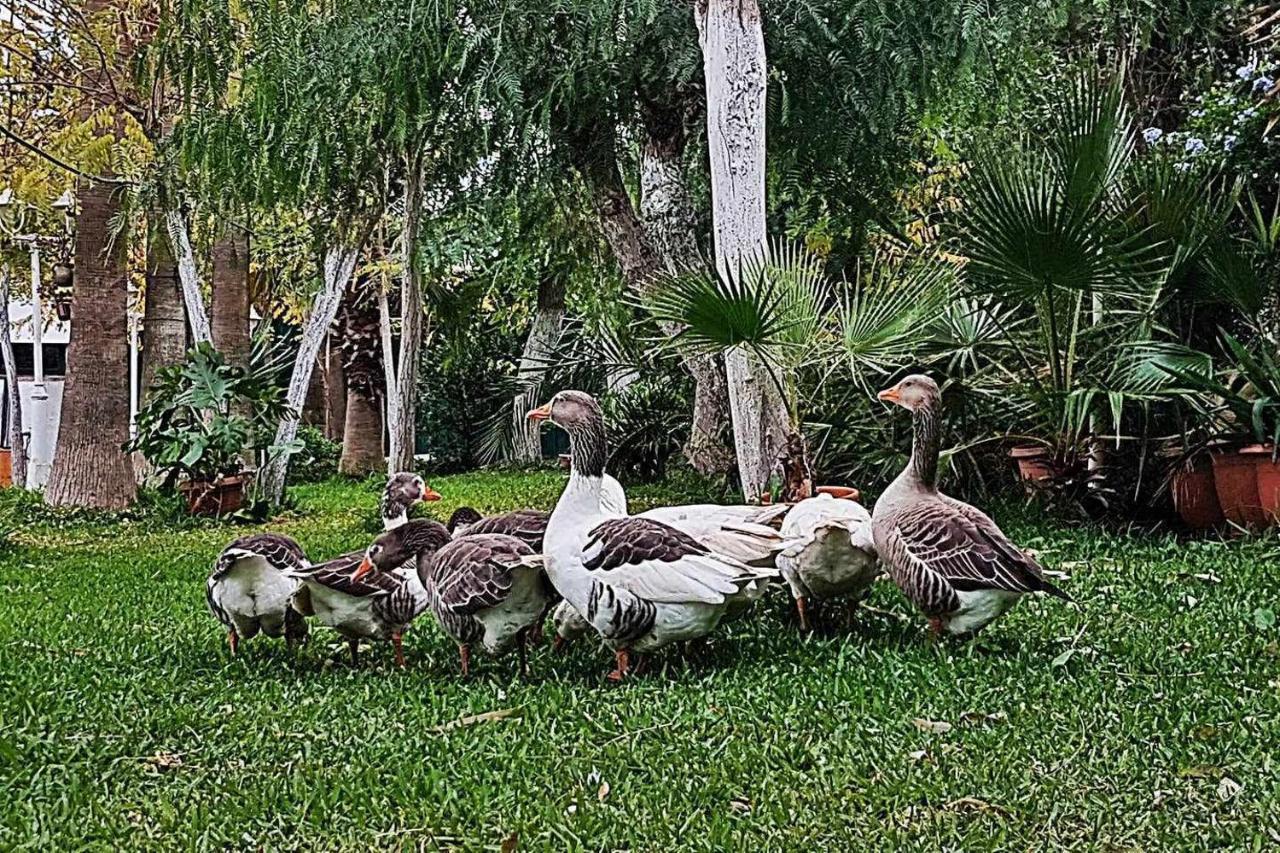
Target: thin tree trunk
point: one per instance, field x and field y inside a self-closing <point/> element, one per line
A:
<point x="667" y="212"/>
<point x="180" y="245"/>
<point x="402" y="375"/>
<point x="13" y="395"/>
<point x="339" y="264"/>
<point x="335" y="387"/>
<point x="90" y="468"/>
<point x="230" y="301"/>
<point x="539" y="347"/>
<point x="363" y="351"/>
<point x="734" y="68"/>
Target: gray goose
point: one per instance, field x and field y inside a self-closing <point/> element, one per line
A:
<point x="250" y="588"/>
<point x="402" y="491"/>
<point x="360" y="604"/>
<point x="949" y="558"/>
<point x="485" y="588"/>
<point x="527" y="525"/>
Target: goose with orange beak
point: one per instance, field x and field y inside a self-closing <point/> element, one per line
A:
<point x="639" y="583"/>
<point x="402" y="491"/>
<point x="948" y="557"/>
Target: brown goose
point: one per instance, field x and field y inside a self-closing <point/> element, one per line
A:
<point x="365" y="605"/>
<point x="527" y="525"/>
<point x="250" y="587"/>
<point x="486" y="588"/>
<point x="948" y="557"/>
<point x="403" y="490"/>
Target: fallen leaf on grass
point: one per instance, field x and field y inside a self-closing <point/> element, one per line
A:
<point x="510" y="843"/>
<point x="740" y="804"/>
<point x="1264" y="618"/>
<point x="1061" y="660"/>
<point x="1200" y="771"/>
<point x="603" y="793"/>
<point x="472" y="719"/>
<point x="976" y="717"/>
<point x="938" y="727"/>
<point x="1228" y="788"/>
<point x="975" y="804"/>
<point x="164" y="761"/>
<point x="918" y="754"/>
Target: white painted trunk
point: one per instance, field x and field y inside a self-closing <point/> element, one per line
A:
<point x="735" y="72"/>
<point x="539" y="347"/>
<point x="339" y="265"/>
<point x="175" y="226"/>
<point x="13" y="395"/>
<point x="402" y="376"/>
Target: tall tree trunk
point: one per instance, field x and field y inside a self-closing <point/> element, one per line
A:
<point x="667" y="212"/>
<point x="89" y="467"/>
<point x="164" y="323"/>
<point x="362" y="357"/>
<point x="339" y="264"/>
<point x="230" y="301"/>
<point x="539" y="347"/>
<point x="188" y="273"/>
<point x="335" y="387"/>
<point x="13" y="395"/>
<point x="402" y="374"/>
<point x="734" y="68"/>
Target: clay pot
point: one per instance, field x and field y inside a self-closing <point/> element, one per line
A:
<point x="1195" y="497"/>
<point x="6" y="467"/>
<point x="1235" y="479"/>
<point x="220" y="498"/>
<point x="848" y="493"/>
<point x="1035" y="463"/>
<point x="1267" y="471"/>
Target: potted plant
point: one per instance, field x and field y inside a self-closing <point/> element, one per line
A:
<point x="1242" y="406"/>
<point x="203" y="421"/>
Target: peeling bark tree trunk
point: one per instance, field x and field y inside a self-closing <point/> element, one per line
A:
<point x="734" y="67"/>
<point x="362" y="356"/>
<point x="13" y="396"/>
<point x="668" y="215"/>
<point x="339" y="264"/>
<point x="164" y="323"/>
<point x="90" y="468"/>
<point x="539" y="347"/>
<point x="402" y="375"/>
<point x="180" y="246"/>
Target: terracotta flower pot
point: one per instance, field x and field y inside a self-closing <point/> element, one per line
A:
<point x="848" y="493"/>
<point x="1235" y="479"/>
<point x="6" y="467"/>
<point x="220" y="498"/>
<point x="1195" y="497"/>
<point x="1035" y="462"/>
<point x="1267" y="471"/>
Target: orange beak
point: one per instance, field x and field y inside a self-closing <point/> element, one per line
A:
<point x="890" y="395"/>
<point x="541" y="413"/>
<point x="430" y="494"/>
<point x="363" y="569"/>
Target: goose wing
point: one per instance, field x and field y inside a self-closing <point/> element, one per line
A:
<point x="477" y="571"/>
<point x="660" y="563"/>
<point x="952" y="552"/>
<point x="527" y="525"/>
<point x="336" y="575"/>
<point x="280" y="552"/>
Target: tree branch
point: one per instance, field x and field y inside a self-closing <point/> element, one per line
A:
<point x="61" y="164"/>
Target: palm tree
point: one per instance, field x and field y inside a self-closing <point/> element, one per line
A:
<point x="90" y="467"/>
<point x="164" y="324"/>
<point x="362" y="366"/>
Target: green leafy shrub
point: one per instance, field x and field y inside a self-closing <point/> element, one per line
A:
<point x="317" y="457"/>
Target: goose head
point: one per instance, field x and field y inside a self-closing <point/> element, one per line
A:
<point x="572" y="411"/>
<point x="913" y="393"/>
<point x="398" y="546"/>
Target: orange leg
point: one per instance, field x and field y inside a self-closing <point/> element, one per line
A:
<point x="464" y="652"/>
<point x="395" y="641"/>
<point x="802" y="607"/>
<point x="622" y="661"/>
<point x="233" y="640"/>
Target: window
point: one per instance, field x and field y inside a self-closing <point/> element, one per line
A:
<point x="55" y="360"/>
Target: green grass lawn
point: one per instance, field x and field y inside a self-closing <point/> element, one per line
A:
<point x="1145" y="718"/>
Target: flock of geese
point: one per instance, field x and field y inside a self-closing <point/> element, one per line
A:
<point x="639" y="582"/>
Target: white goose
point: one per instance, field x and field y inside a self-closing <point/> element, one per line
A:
<point x="250" y="588"/>
<point x="829" y="551"/>
<point x="639" y="583"/>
